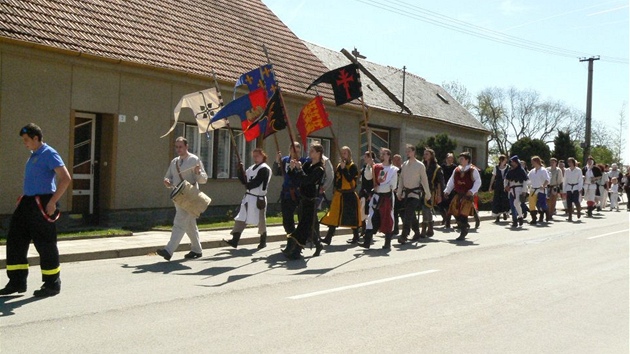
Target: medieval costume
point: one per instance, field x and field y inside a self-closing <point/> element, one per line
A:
<point x="500" y="200"/>
<point x="253" y="209"/>
<point x="310" y="176"/>
<point x="514" y="182"/>
<point x="412" y="189"/>
<point x="555" y="185"/>
<point x="290" y="194"/>
<point x="344" y="209"/>
<point x="572" y="185"/>
<point x="602" y="189"/>
<point x="381" y="216"/>
<point x="465" y="180"/>
<point x="435" y="177"/>
<point x="538" y="179"/>
<point x="447" y="169"/>
<point x="591" y="174"/>
<point x="365" y="194"/>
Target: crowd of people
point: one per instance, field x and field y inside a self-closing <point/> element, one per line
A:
<point x="376" y="196"/>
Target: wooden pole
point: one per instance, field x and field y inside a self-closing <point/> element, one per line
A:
<point x="284" y="108"/>
<point x="332" y="131"/>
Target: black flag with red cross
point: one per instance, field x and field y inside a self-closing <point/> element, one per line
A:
<point x="345" y="82"/>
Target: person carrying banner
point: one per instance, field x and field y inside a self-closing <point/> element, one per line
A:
<point x="253" y="209"/>
<point x="35" y="216"/>
<point x="538" y="180"/>
<point x="344" y="209"/>
<point x="310" y="176"/>
<point x="186" y="166"/>
<point x="365" y="191"/>
<point x="381" y="216"/>
<point x="290" y="194"/>
<point x="465" y="182"/>
<point x="413" y="187"/>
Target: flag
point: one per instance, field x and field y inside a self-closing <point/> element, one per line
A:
<point x="345" y="81"/>
<point x="262" y="77"/>
<point x="204" y="104"/>
<point x="273" y="119"/>
<point x="248" y="107"/>
<point x="313" y="117"/>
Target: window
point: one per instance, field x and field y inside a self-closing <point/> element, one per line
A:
<point x="326" y="144"/>
<point x="226" y="160"/>
<point x="380" y="139"/>
<point x="198" y="144"/>
<point x="470" y="150"/>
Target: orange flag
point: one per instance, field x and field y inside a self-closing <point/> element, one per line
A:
<point x="313" y="117"/>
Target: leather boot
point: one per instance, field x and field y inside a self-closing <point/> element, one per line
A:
<point x="318" y="249"/>
<point x="292" y="250"/>
<point x="236" y="236"/>
<point x="263" y="241"/>
<point x="447" y="222"/>
<point x="367" y="239"/>
<point x="329" y="235"/>
<point x="388" y="241"/>
<point x="355" y="237"/>
<point x="463" y="229"/>
<point x="533" y="214"/>
<point x="542" y="216"/>
<point x="430" y="232"/>
<point x="579" y="211"/>
<point x="589" y="211"/>
<point x="569" y="212"/>
<point x="423" y="233"/>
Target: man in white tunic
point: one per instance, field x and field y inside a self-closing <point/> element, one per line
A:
<point x="253" y="209"/>
<point x="572" y="185"/>
<point x="185" y="166"/>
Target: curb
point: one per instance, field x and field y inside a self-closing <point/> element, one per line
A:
<point x="147" y="250"/>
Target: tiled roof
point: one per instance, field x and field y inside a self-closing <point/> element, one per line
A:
<point x="421" y="96"/>
<point x="191" y="36"/>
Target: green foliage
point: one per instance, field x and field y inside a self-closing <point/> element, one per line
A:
<point x="525" y="148"/>
<point x="564" y="147"/>
<point x="440" y="143"/>
<point x="486" y="176"/>
<point x="602" y="154"/>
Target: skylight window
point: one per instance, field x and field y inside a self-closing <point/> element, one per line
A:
<point x="442" y="98"/>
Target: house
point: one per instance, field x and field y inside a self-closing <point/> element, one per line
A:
<point x="102" y="79"/>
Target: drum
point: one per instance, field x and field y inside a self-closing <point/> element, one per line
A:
<point x="189" y="198"/>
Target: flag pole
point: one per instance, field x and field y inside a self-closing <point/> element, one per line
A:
<point x="234" y="146"/>
<point x="284" y="109"/>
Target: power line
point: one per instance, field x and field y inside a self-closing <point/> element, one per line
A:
<point x="417" y="13"/>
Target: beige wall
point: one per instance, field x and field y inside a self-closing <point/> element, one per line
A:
<point x="46" y="87"/>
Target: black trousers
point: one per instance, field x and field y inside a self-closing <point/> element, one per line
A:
<point x="410" y="220"/>
<point x="289" y="207"/>
<point x="308" y="224"/>
<point x="28" y="223"/>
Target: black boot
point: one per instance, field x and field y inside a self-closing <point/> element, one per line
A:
<point x="463" y="229"/>
<point x="329" y="235"/>
<point x="12" y="288"/>
<point x="236" y="236"/>
<point x="388" y="241"/>
<point x="318" y="249"/>
<point x="293" y="250"/>
<point x="423" y="233"/>
<point x="533" y="214"/>
<point x="520" y="221"/>
<point x="579" y="212"/>
<point x="514" y="222"/>
<point x="569" y="212"/>
<point x="355" y="237"/>
<point x="541" y="216"/>
<point x="496" y="220"/>
<point x="447" y="222"/>
<point x="430" y="232"/>
<point x="589" y="211"/>
<point x="402" y="239"/>
<point x="367" y="239"/>
<point x="263" y="241"/>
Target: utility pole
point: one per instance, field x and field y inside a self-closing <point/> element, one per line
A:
<point x="589" y="107"/>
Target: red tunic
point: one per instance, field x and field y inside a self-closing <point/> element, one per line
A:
<point x="463" y="181"/>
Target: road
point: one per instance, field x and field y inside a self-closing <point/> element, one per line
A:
<point x="557" y="289"/>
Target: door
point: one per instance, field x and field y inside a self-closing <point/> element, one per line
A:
<point x="83" y="164"/>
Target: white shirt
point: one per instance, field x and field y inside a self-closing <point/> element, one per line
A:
<point x="538" y="177"/>
<point x="388" y="179"/>
<point x="475" y="176"/>
<point x="572" y="180"/>
<point x="187" y="168"/>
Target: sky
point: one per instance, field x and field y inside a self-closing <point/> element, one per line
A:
<point x="420" y="36"/>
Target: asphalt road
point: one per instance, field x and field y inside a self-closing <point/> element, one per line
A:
<point x="557" y="289"/>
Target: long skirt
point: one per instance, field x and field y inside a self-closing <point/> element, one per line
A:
<point x="308" y="221"/>
<point x="500" y="202"/>
<point x="462" y="205"/>
<point x="344" y="210"/>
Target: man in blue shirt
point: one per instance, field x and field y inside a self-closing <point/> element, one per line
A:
<point x="35" y="216"/>
<point x="290" y="195"/>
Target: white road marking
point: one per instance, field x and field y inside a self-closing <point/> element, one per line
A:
<point x="347" y="287"/>
<point x="608" y="234"/>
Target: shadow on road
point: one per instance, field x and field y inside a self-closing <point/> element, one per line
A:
<point x="160" y="267"/>
<point x="7" y="306"/>
<point x="463" y="243"/>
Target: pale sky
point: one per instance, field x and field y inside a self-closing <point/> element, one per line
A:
<point x="576" y="28"/>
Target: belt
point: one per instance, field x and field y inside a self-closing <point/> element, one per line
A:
<point x="38" y="201"/>
<point x="386" y="194"/>
<point x="258" y="196"/>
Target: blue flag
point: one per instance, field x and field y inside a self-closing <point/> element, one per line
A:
<point x="248" y="108"/>
<point x="262" y="77"/>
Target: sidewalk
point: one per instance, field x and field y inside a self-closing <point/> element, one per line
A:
<point x="145" y="243"/>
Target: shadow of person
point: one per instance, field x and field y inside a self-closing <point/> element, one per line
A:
<point x="233" y="252"/>
<point x="463" y="243"/>
<point x="160" y="267"/>
<point x="338" y="248"/>
<point x="376" y="252"/>
<point x="7" y="306"/>
<point x="408" y="246"/>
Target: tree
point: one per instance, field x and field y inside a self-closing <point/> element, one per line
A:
<point x="460" y="93"/>
<point x="440" y="143"/>
<point x="618" y="136"/>
<point x="602" y="154"/>
<point x="563" y="146"/>
<point x="525" y="148"/>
